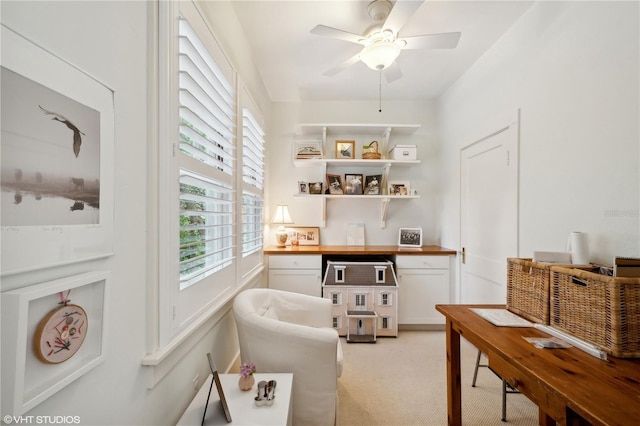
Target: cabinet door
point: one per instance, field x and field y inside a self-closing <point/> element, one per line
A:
<point x="419" y="290"/>
<point x="305" y="281"/>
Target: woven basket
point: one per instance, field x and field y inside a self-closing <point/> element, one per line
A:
<point x="528" y="289"/>
<point x="375" y="155"/>
<point x="599" y="309"/>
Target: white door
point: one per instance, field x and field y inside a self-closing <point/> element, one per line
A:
<point x="488" y="214"/>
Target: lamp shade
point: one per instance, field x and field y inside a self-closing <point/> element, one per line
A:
<point x="380" y="54"/>
<point x="281" y="215"/>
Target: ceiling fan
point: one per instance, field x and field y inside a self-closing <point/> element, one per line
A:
<point x="382" y="42"/>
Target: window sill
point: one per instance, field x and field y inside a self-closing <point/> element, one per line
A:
<point x="160" y="362"/>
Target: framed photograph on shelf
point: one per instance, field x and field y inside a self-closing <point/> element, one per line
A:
<point x="410" y="237"/>
<point x="373" y="185"/>
<point x="334" y="183"/>
<point x="306" y="236"/>
<point x="304" y="150"/>
<point x="315" y="187"/>
<point x="353" y="184"/>
<point x="345" y="149"/>
<point x="303" y="187"/>
<point x="399" y="187"/>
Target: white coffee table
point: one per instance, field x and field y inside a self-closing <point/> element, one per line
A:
<point x="241" y="404"/>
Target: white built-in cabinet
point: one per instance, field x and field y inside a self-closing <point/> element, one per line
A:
<point x="296" y="273"/>
<point x="423" y="282"/>
<point x="381" y="132"/>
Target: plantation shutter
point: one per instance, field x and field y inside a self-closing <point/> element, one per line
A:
<point x="206" y="158"/>
<point x="253" y="183"/>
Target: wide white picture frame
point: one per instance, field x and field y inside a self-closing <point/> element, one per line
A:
<point x="54" y="82"/>
<point x="27" y="381"/>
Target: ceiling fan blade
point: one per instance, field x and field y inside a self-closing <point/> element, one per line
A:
<point x="346" y="64"/>
<point x="400" y="14"/>
<point x="323" y="30"/>
<point x="392" y="73"/>
<point x="432" y="41"/>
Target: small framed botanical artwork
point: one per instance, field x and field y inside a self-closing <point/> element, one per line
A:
<point x="410" y="237"/>
<point x="345" y="149"/>
<point x="315" y="187"/>
<point x="353" y="184"/>
<point x="306" y="236"/>
<point x="334" y="183"/>
<point x="303" y="187"/>
<point x="304" y="150"/>
<point x="373" y="185"/>
<point x="399" y="187"/>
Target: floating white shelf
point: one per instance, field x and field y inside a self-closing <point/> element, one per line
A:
<point x="384" y="131"/>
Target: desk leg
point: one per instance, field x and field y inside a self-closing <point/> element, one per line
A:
<point x="454" y="404"/>
<point x="544" y="419"/>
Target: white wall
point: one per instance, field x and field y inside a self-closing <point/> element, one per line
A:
<point x="283" y="176"/>
<point x="572" y="68"/>
<point x="111" y="41"/>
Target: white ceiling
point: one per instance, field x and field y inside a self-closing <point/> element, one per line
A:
<point x="292" y="61"/>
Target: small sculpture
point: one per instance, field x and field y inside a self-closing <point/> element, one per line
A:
<point x="266" y="392"/>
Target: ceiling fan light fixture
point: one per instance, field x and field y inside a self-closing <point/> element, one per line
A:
<point x="380" y="55"/>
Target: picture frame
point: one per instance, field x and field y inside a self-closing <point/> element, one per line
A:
<point x="305" y="150"/>
<point x="334" y="183"/>
<point x="399" y="187"/>
<point x="345" y="149"/>
<point x="216" y="379"/>
<point x="353" y="184"/>
<point x="410" y="237"/>
<point x="306" y="235"/>
<point x="58" y="189"/>
<point x="315" y="188"/>
<point x="303" y="187"/>
<point x="27" y="381"/>
<point x="373" y="185"/>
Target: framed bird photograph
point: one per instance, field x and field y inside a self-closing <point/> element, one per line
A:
<point x="57" y="165"/>
<point x="345" y="149"/>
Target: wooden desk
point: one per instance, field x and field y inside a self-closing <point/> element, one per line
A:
<point x="568" y="385"/>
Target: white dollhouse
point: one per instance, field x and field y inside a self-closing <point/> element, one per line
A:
<point x="364" y="297"/>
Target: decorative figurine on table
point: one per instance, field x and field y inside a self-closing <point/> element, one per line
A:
<point x="266" y="392"/>
<point x="246" y="376"/>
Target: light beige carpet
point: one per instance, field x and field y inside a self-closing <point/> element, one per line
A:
<point x="402" y="381"/>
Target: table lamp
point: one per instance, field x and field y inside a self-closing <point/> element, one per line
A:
<point x="282" y="217"/>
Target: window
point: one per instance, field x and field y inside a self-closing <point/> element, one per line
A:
<point x="197" y="218"/>
<point x="339" y="273"/>
<point x="253" y="183"/>
<point x="385" y="299"/>
<point x="385" y="323"/>
<point x="337" y="322"/>
<point x="361" y="302"/>
<point x="380" y="274"/>
<point x="209" y="184"/>
<point x="336" y="297"/>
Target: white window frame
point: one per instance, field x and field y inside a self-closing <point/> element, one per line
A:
<point x="165" y="334"/>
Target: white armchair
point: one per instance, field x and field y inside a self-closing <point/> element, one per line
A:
<point x="284" y="332"/>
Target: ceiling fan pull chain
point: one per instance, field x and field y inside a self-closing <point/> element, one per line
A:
<point x="380" y="91"/>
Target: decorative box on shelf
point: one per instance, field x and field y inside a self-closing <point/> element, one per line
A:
<point x="403" y="152"/>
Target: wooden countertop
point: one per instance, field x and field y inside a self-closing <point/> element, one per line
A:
<point x="424" y="250"/>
